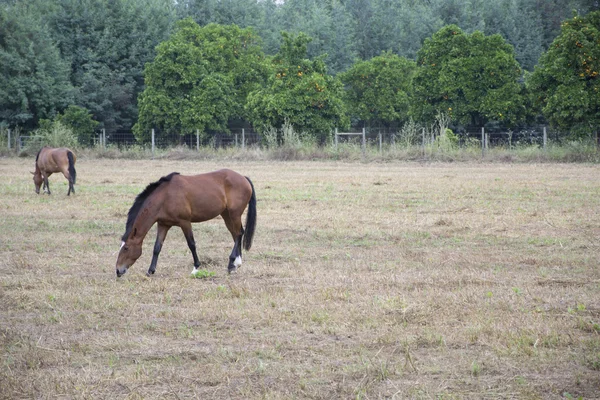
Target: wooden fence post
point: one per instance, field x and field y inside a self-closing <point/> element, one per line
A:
<point x="545" y="138"/>
<point x="364" y="141"/>
<point x="243" y="138"/>
<point x="482" y="142"/>
<point x="9" y="139"/>
<point x="197" y="139"/>
<point x="423" y="142"/>
<point x="152" y="143"/>
<point x="336" y="139"/>
<point x="380" y="144"/>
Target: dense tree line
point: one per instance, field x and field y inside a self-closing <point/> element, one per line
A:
<point x="130" y="62"/>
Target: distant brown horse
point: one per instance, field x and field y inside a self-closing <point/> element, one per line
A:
<point x="50" y="160"/>
<point x="178" y="200"/>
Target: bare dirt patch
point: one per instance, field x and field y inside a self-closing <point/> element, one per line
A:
<point x="395" y="280"/>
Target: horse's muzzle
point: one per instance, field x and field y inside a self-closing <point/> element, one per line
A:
<point x="121" y="272"/>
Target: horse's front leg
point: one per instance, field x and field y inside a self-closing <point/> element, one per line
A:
<point x="161" y="234"/>
<point x="46" y="186"/>
<point x="189" y="237"/>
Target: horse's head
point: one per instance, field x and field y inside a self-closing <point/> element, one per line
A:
<point x="130" y="251"/>
<point x="37" y="180"/>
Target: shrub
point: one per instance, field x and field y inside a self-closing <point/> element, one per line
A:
<point x="81" y="123"/>
<point x="53" y="134"/>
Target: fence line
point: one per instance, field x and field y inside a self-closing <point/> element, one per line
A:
<point x="370" y="137"/>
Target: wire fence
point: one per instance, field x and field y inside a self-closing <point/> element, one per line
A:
<point x="373" y="137"/>
<point x="526" y="136"/>
<point x="236" y="138"/>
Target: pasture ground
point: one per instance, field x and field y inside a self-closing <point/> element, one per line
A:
<point x="378" y="280"/>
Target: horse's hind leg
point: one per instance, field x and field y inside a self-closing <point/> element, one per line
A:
<point x="161" y="234"/>
<point x="189" y="237"/>
<point x="71" y="186"/>
<point x="234" y="224"/>
<point x="69" y="178"/>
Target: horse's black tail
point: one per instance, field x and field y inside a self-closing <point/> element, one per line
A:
<point x="250" y="219"/>
<point x="72" y="172"/>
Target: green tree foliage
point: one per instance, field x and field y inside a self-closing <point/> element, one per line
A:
<point x="474" y="78"/>
<point x="81" y="123"/>
<point x="107" y="43"/>
<point x="328" y="24"/>
<point x="200" y="79"/>
<point x="243" y="13"/>
<point x="520" y="24"/>
<point x="264" y="16"/>
<point x="34" y="79"/>
<point x="378" y="90"/>
<point x="300" y="91"/>
<point x="566" y="84"/>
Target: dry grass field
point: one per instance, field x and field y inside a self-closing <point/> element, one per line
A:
<point x="365" y="281"/>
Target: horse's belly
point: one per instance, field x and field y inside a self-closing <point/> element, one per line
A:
<point x="205" y="214"/>
<point x="205" y="209"/>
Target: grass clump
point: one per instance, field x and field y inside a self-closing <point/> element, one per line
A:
<point x="203" y="274"/>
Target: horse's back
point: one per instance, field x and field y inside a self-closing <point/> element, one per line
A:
<point x="205" y="196"/>
<point x="236" y="187"/>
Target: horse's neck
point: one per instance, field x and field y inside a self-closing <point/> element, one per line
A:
<point x="147" y="217"/>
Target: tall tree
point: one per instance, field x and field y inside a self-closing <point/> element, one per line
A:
<point x="474" y="78"/>
<point x="107" y="43"/>
<point x="200" y="79"/>
<point x="566" y="83"/>
<point x="224" y="12"/>
<point x="341" y="47"/>
<point x="362" y="13"/>
<point x="35" y="81"/>
<point x="520" y="25"/>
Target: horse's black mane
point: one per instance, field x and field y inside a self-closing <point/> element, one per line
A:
<point x="38" y="155"/>
<point x="139" y="201"/>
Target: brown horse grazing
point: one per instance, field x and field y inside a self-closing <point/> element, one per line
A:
<point x="50" y="160"/>
<point x="178" y="200"/>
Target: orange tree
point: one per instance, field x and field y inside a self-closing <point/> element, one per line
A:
<point x="200" y="79"/>
<point x="566" y="83"/>
<point x="377" y="90"/>
<point x="300" y="91"/>
<point x="471" y="77"/>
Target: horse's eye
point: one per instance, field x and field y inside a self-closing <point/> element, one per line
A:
<point x="125" y="248"/>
